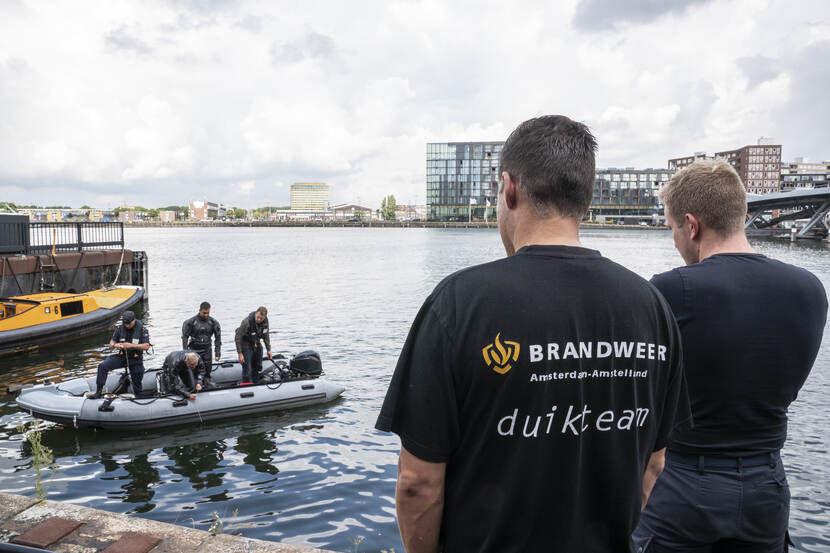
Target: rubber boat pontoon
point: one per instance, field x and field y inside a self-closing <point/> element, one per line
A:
<point x="287" y="384"/>
<point x="36" y="320"/>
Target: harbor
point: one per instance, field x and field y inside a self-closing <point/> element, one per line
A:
<point x="320" y="476"/>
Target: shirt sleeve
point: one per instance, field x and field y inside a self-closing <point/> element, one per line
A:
<point x="266" y="337"/>
<point x="420" y="404"/>
<point x="115" y="335"/>
<point x="243" y="328"/>
<point x="145" y="336"/>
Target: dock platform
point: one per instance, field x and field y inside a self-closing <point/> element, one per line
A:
<point x="64" y="527"/>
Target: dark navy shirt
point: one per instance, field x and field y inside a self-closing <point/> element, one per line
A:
<point x="751" y="328"/>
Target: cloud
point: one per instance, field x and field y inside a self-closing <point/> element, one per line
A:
<point x="758" y="69"/>
<point x="594" y="15"/>
<point x="232" y="102"/>
<point x="312" y="45"/>
<point x="804" y="115"/>
<point x="122" y="39"/>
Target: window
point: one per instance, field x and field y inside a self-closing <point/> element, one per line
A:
<point x="72" y="308"/>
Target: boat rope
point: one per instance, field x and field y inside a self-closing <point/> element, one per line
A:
<point x="119" y="269"/>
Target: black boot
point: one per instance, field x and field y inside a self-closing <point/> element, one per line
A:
<point x="96" y="395"/>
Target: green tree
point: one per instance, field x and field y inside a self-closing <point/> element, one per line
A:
<point x="85" y="207"/>
<point x="387" y="208"/>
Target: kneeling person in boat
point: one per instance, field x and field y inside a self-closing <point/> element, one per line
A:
<point x="132" y="340"/>
<point x="252" y="330"/>
<point x="179" y="368"/>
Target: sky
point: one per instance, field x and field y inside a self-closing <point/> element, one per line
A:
<point x="160" y="103"/>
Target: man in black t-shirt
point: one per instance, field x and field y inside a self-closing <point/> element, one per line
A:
<point x="532" y="391"/>
<point x="751" y="329"/>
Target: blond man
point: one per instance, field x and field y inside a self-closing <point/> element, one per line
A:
<point x="722" y="485"/>
<point x="180" y="367"/>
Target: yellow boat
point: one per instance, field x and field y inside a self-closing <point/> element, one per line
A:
<point x="33" y="321"/>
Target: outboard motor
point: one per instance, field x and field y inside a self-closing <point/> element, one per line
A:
<point x="306" y="363"/>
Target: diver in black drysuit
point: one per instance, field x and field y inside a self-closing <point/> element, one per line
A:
<point x="196" y="336"/>
<point x="179" y="373"/>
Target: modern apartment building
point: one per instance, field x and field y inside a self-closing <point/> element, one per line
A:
<point x="309" y="196"/>
<point x="202" y="210"/>
<point x="462" y="180"/>
<point x="759" y="166"/>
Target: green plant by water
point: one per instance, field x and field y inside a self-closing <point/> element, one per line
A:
<point x="41" y="455"/>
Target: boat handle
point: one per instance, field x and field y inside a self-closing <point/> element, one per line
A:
<point x="308" y="386"/>
<point x="246" y="394"/>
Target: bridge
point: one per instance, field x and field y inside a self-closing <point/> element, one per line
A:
<point x="810" y="204"/>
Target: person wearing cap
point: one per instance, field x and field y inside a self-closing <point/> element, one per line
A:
<point x="131" y="339"/>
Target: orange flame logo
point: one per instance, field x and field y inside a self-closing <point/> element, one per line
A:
<point x="498" y="355"/>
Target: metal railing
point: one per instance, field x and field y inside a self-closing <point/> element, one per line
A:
<point x="74" y="237"/>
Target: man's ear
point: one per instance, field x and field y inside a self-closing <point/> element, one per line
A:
<point x="693" y="225"/>
<point x="510" y="190"/>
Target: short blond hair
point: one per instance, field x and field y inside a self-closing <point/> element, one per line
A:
<point x="191" y="359"/>
<point x="710" y="190"/>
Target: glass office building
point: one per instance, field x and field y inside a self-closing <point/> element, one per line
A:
<point x="309" y="196"/>
<point x="629" y="191"/>
<point x="458" y="172"/>
<point x="462" y="177"/>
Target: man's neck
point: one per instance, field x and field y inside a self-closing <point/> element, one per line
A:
<point x="550" y="231"/>
<point x="735" y="243"/>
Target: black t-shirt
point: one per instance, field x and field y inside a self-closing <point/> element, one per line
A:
<point x="751" y="329"/>
<point x="544" y="380"/>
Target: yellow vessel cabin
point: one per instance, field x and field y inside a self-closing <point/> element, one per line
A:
<point x="35" y="320"/>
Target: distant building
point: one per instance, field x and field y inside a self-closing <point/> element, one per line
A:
<point x="201" y="210"/>
<point x="167" y="216"/>
<point x="795" y="181"/>
<point x="759" y="166"/>
<point x="409" y="212"/>
<point x="309" y="196"/>
<point x="54" y="216"/>
<point x="127" y="216"/>
<point x="679" y="163"/>
<point x="95" y="215"/>
<point x="462" y="180"/>
<point x="350" y="211"/>
<point x="803" y="165"/>
<point x="628" y="191"/>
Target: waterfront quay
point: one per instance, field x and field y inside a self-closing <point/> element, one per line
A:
<point x="57" y="526"/>
<point x="369" y="224"/>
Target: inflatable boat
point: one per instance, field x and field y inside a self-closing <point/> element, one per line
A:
<point x="36" y="320"/>
<point x="284" y="385"/>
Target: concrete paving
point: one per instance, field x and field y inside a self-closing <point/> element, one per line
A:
<point x="101" y="529"/>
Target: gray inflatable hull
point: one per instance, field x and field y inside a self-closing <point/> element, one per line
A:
<point x="64" y="402"/>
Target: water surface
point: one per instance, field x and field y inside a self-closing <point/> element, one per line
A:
<point x="322" y="476"/>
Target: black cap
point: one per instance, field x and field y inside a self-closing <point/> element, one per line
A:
<point x="127" y="317"/>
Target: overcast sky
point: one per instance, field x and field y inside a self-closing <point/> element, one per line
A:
<point x="162" y="103"/>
